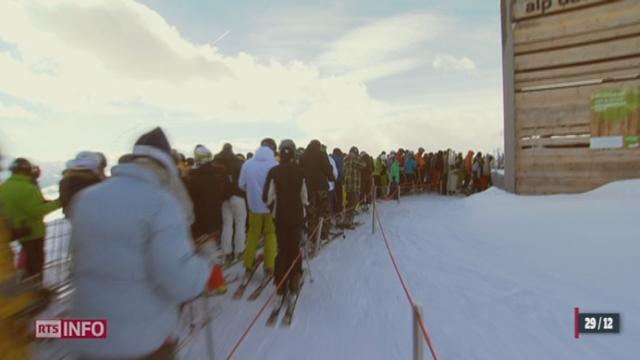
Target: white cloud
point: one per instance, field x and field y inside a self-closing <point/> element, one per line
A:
<point x="15" y="112"/>
<point x="98" y="59"/>
<point x="449" y="63"/>
<point x="375" y="45"/>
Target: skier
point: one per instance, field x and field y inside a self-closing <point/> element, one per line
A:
<point x="353" y="166"/>
<point x="286" y="195"/>
<point x="338" y="157"/>
<point x="485" y="180"/>
<point x="252" y="180"/>
<point x="452" y="178"/>
<point x="333" y="197"/>
<point x="25" y="208"/>
<point x="468" y="171"/>
<point x="477" y="171"/>
<point x="437" y="172"/>
<point x="207" y="185"/>
<point x="379" y="172"/>
<point x="133" y="261"/>
<point x="318" y="173"/>
<point x="394" y="176"/>
<point x="421" y="163"/>
<point x="81" y="172"/>
<point x="366" y="179"/>
<point x="234" y="210"/>
<point x="410" y="166"/>
<point x="18" y="301"/>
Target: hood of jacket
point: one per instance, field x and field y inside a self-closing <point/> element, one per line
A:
<point x="264" y="153"/>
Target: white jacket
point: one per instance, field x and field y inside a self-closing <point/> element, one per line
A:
<point x="253" y="175"/>
<point x="133" y="262"/>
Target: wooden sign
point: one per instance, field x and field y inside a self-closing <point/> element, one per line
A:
<point x="533" y="8"/>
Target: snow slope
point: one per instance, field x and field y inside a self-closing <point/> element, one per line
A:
<point x="498" y="276"/>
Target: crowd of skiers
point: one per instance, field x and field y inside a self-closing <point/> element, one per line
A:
<point x="445" y="172"/>
<point x="138" y="236"/>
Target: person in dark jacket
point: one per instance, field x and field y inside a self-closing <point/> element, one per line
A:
<point x="81" y="172"/>
<point x="318" y="173"/>
<point x="338" y="157"/>
<point x="367" y="178"/>
<point x="234" y="209"/>
<point x="286" y="194"/>
<point x="206" y="189"/>
<point x="353" y="166"/>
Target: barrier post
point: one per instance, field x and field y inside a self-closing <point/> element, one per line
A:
<point x="316" y="245"/>
<point x="374" y="192"/>
<point x="418" y="347"/>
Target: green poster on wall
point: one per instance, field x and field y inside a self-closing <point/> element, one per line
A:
<point x="615" y="118"/>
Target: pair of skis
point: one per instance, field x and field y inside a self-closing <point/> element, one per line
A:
<point x="290" y="308"/>
<point x="245" y="283"/>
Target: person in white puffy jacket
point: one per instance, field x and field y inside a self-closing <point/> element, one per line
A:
<point x="133" y="259"/>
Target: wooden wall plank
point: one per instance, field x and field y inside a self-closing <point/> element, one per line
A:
<point x="565" y="97"/>
<point x="613" y="33"/>
<point x="554" y="116"/>
<point x="577" y="73"/>
<point x="554" y="142"/>
<point x="611" y="50"/>
<point x="604" y="71"/>
<point x="573" y="155"/>
<point x="554" y="130"/>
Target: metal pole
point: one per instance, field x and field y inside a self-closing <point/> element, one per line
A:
<point x="317" y="240"/>
<point x="418" y="346"/>
<point x="374" y="192"/>
<point x="209" y="333"/>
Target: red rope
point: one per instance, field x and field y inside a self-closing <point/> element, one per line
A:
<point x="423" y="328"/>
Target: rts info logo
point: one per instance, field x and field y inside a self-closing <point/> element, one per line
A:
<point x="71" y="329"/>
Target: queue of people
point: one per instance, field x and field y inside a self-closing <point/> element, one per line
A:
<point x="138" y="236"/>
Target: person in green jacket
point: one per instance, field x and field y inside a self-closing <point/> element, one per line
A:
<point x="379" y="172"/>
<point x="394" y="177"/>
<point x="25" y="208"/>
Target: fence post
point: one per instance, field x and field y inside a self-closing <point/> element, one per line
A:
<point x="317" y="240"/>
<point x="418" y="346"/>
<point x="374" y="192"/>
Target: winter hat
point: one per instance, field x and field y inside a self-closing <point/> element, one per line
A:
<point x="287" y="149"/>
<point x="270" y="143"/>
<point x="287" y="144"/>
<point x="85" y="160"/>
<point x="201" y="154"/>
<point x="155" y="145"/>
<point x="20" y="165"/>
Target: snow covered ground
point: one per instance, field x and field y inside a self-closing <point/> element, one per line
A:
<point x="498" y="277"/>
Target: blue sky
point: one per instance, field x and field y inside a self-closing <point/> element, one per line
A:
<point x="78" y="75"/>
